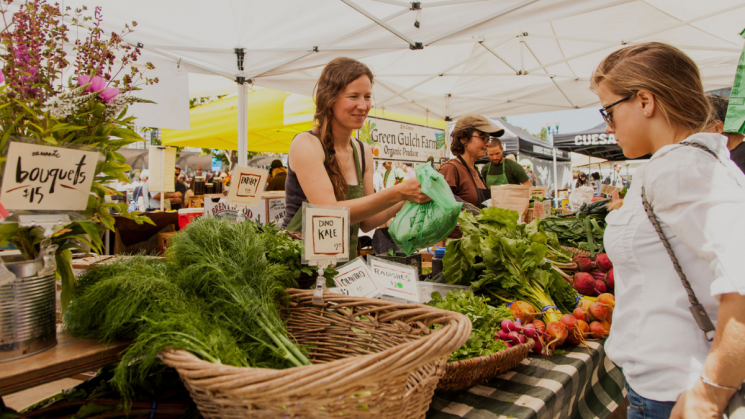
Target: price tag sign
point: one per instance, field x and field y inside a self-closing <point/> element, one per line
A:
<point x="44" y="178"/>
<point x="325" y="234"/>
<point x="395" y="279"/>
<point x="538" y="192"/>
<point x="247" y="185"/>
<point x="615" y="196"/>
<point x="355" y="279"/>
<point x="608" y="190"/>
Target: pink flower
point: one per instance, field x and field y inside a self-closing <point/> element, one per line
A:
<point x="108" y="94"/>
<point x="2" y="77"/>
<point x="97" y="83"/>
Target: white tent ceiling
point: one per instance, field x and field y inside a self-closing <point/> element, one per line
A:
<point x="496" y="57"/>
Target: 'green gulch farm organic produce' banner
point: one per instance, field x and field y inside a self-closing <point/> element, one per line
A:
<point x="399" y="141"/>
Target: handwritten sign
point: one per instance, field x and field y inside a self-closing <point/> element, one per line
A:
<point x="608" y="189"/>
<point x="325" y="233"/>
<point x="538" y="192"/>
<point x="233" y="213"/>
<point x="277" y="210"/>
<point x="247" y="185"/>
<point x="46" y="178"/>
<point x="161" y="160"/>
<point x="541" y="210"/>
<point x="395" y="279"/>
<point x="356" y="280"/>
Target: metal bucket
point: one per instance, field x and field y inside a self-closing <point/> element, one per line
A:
<point x="27" y="308"/>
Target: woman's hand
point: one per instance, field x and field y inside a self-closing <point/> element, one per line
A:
<point x="702" y="402"/>
<point x="411" y="191"/>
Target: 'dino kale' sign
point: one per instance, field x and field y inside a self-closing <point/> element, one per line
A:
<point x="44" y="178"/>
<point x="392" y="140"/>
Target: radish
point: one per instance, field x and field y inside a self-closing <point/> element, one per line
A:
<point x="557" y="332"/>
<point x="597" y="330"/>
<point x="523" y="311"/>
<point x="600" y="287"/>
<point x="600" y="311"/>
<point x="609" y="280"/>
<point x="584" y="283"/>
<point x="584" y="263"/>
<point x="607" y="299"/>
<point x="507" y="325"/>
<point x="581" y="313"/>
<point x="530" y="331"/>
<point x="577" y="336"/>
<point x="509" y="345"/>
<point x="539" y="347"/>
<point x="504" y="334"/>
<point x="603" y="262"/>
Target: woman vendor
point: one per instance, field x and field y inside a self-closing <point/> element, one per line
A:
<point x="470" y="140"/>
<point x="328" y="167"/>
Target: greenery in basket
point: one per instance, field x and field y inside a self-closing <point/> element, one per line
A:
<point x="88" y="110"/>
<point x="217" y="295"/>
<point x="287" y="251"/>
<point x="485" y="320"/>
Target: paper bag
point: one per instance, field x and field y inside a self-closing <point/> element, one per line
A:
<point x="513" y="197"/>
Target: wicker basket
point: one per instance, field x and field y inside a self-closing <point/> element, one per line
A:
<point x="470" y="372"/>
<point x="575" y="251"/>
<point x="371" y="359"/>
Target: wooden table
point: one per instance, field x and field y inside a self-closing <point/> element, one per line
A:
<point x="69" y="357"/>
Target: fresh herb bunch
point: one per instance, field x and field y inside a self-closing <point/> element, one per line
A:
<point x="217" y="296"/>
<point x="89" y="112"/>
<point x="485" y="320"/>
<point x="287" y="251"/>
<point x="510" y="261"/>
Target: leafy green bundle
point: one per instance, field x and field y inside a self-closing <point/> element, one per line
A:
<point x="286" y="251"/>
<point x="485" y="320"/>
<point x="216" y="296"/>
<point x="510" y="261"/>
<point x="583" y="231"/>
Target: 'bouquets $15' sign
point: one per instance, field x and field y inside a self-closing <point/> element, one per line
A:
<point x="46" y="178"/>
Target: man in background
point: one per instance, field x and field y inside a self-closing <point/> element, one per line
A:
<point x="716" y="124"/>
<point x="502" y="170"/>
<point x="178" y="203"/>
<point x="278" y="175"/>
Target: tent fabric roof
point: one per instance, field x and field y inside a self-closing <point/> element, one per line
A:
<point x="593" y="142"/>
<point x="495" y="57"/>
<point x="515" y="140"/>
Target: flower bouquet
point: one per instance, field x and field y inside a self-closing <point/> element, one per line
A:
<point x="87" y="110"/>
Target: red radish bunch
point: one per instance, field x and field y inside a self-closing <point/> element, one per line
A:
<point x="584" y="263"/>
<point x="610" y="280"/>
<point x="603" y="263"/>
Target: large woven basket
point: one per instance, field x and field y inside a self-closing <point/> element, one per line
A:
<point x="470" y="372"/>
<point x="576" y="251"/>
<point x="371" y="359"/>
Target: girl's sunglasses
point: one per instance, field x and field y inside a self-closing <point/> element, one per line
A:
<point x="608" y="117"/>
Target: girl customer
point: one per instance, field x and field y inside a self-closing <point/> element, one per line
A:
<point x="653" y="102"/>
<point x="327" y="167"/>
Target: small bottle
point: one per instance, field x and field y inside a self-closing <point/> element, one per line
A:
<point x="437" y="260"/>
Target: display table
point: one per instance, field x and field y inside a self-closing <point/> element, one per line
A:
<point x="581" y="383"/>
<point x="69" y="357"/>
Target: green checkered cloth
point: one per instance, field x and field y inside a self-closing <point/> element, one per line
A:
<point x="580" y="383"/>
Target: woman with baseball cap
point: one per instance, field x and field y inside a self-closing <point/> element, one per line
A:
<point x="470" y="138"/>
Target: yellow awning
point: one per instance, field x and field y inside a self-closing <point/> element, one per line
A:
<point x="274" y="118"/>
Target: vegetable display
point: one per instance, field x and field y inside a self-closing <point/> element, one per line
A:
<point x="509" y="261"/>
<point x="485" y="320"/>
<point x="216" y="295"/>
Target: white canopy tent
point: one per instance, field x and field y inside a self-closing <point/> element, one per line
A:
<point x="438" y="58"/>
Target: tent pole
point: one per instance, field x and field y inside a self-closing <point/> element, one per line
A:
<point x="242" y="125"/>
<point x="556" y="182"/>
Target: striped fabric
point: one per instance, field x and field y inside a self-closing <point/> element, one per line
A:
<point x="581" y="383"/>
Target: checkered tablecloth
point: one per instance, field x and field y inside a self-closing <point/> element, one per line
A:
<point x="580" y="383"/>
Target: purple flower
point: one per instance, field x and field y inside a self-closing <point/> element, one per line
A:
<point x="108" y="94"/>
<point x="97" y="83"/>
<point x="2" y="77"/>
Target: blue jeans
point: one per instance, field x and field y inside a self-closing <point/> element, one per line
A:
<point x="641" y="408"/>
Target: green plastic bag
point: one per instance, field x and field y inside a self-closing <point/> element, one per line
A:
<point x="418" y="226"/>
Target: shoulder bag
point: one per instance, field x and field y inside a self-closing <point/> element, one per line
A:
<point x="736" y="407"/>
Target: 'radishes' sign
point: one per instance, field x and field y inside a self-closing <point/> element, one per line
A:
<point x="43" y="178"/>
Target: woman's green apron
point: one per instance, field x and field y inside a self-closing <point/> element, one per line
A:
<point x="353" y="192"/>
<point x="496" y="180"/>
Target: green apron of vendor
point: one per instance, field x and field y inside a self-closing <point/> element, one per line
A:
<point x="502" y="171"/>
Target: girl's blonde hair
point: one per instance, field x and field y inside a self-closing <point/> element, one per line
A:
<point x="665" y="71"/>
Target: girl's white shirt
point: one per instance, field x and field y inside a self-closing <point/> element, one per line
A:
<point x="700" y="203"/>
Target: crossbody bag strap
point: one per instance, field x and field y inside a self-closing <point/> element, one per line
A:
<point x="469" y="171"/>
<point x="697" y="309"/>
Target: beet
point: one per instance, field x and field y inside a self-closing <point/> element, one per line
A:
<point x="539" y="325"/>
<point x="600" y="287"/>
<point x="584" y="263"/>
<point x="581" y="313"/>
<point x="579" y="333"/>
<point x="603" y="262"/>
<point x="584" y="283"/>
<point x="558" y="334"/>
<point x="523" y="311"/>
<point x="609" y="280"/>
<point x="600" y="311"/>
<point x="597" y="274"/>
<point x="597" y="330"/>
<point x="608" y="299"/>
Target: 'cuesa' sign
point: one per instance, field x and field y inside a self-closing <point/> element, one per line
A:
<point x="595" y="139"/>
